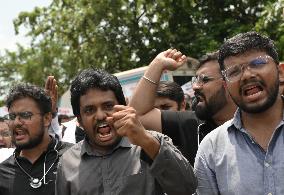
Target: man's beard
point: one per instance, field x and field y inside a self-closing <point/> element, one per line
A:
<point x="214" y="104"/>
<point x="272" y="96"/>
<point x="33" y="141"/>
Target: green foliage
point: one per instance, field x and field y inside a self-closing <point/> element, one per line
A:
<point x="272" y="24"/>
<point x="118" y="35"/>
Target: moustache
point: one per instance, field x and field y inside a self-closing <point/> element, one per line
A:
<point x="198" y="94"/>
<point x="101" y="123"/>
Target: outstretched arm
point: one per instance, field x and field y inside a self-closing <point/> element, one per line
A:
<point x="52" y="89"/>
<point x="143" y="98"/>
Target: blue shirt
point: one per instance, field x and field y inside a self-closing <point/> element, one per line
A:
<point x="229" y="161"/>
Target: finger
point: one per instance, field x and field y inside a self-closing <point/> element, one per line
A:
<point x="119" y="107"/>
<point x="172" y="53"/>
<point x="167" y="52"/>
<point x="53" y="85"/>
<point x="109" y="120"/>
<point x="117" y="124"/>
<point x="120" y="115"/>
<point x="47" y="83"/>
<point x="177" y="55"/>
<point x="50" y="82"/>
<point x="122" y="108"/>
<point x="56" y="91"/>
<point x="121" y="131"/>
<point x="182" y="59"/>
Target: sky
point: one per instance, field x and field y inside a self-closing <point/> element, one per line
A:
<point x="9" y="10"/>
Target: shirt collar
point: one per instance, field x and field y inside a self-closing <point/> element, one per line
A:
<point x="50" y="146"/>
<point x="237" y="121"/>
<point x="87" y="149"/>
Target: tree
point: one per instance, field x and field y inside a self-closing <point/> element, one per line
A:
<point x="271" y="23"/>
<point x="118" y="35"/>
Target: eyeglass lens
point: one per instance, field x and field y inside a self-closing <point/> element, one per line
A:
<point x="234" y="73"/>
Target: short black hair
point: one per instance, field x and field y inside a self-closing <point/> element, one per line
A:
<point x="244" y="42"/>
<point x="34" y="92"/>
<point x="93" y="78"/>
<point x="171" y="90"/>
<point x="212" y="56"/>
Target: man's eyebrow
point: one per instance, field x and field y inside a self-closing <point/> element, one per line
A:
<point x="87" y="106"/>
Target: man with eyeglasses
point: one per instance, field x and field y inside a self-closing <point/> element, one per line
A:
<point x="5" y="135"/>
<point x="32" y="167"/>
<point x="213" y="104"/>
<point x="6" y="146"/>
<point x="245" y="155"/>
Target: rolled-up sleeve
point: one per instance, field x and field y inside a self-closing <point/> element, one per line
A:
<point x="172" y="170"/>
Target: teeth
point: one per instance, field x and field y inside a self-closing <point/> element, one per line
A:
<point x="102" y="125"/>
<point x="20" y="132"/>
<point x="104" y="134"/>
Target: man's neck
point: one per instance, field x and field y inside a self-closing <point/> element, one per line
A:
<point x="225" y="114"/>
<point x="102" y="150"/>
<point x="261" y="126"/>
<point x="34" y="153"/>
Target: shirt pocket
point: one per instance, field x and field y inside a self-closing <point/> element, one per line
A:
<point x="140" y="183"/>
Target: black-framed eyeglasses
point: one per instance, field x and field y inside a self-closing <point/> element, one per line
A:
<point x="235" y="72"/>
<point x="24" y="116"/>
<point x="202" y="79"/>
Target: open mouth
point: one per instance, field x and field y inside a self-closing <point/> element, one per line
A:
<point x="199" y="97"/>
<point x="104" y="131"/>
<point x="252" y="90"/>
<point x="19" y="134"/>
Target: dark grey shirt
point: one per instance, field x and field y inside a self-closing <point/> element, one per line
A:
<point x="125" y="170"/>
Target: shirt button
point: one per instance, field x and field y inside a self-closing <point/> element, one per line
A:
<point x="267" y="165"/>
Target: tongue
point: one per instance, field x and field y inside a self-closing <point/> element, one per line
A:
<point x="252" y="91"/>
<point x="104" y="130"/>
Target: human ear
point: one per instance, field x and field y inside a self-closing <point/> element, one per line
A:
<point x="47" y="118"/>
<point x="281" y="73"/>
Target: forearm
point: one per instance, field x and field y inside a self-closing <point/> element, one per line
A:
<point x="143" y="98"/>
<point x="150" y="145"/>
<point x="172" y="171"/>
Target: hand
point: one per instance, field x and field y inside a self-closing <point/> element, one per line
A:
<point x="126" y="123"/>
<point x="170" y="59"/>
<point x="52" y="90"/>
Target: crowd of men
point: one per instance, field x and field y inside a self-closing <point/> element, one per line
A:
<point x="229" y="144"/>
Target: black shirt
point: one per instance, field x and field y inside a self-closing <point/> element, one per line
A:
<point x="182" y="127"/>
<point x="13" y="181"/>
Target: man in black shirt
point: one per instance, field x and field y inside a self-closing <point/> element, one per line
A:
<point x="214" y="104"/>
<point x="32" y="167"/>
